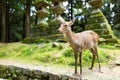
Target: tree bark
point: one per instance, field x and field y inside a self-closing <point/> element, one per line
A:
<point x="7" y="23"/>
<point x="23" y="30"/>
<point x="70" y="14"/>
<point x="3" y="34"/>
<point x="27" y="22"/>
<point x="36" y="20"/>
<point x="0" y="18"/>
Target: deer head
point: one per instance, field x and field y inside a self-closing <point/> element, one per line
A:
<point x="66" y="26"/>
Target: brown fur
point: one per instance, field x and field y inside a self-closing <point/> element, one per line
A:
<point x="81" y="41"/>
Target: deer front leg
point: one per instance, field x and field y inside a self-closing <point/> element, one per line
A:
<point x="76" y="59"/>
<point x="80" y="60"/>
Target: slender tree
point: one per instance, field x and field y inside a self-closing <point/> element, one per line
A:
<point x="27" y="22"/>
<point x="3" y="32"/>
<point x="23" y="28"/>
<point x="7" y="23"/>
<point x="0" y="18"/>
<point x="70" y="8"/>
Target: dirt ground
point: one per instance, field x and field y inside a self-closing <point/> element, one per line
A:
<point x="110" y="72"/>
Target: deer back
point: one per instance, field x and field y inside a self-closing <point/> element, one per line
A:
<point x="87" y="39"/>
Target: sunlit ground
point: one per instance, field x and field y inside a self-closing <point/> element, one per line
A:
<point x="61" y="54"/>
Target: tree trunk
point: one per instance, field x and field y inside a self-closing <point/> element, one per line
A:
<point x="3" y="36"/>
<point x="7" y="23"/>
<point x="27" y="22"/>
<point x="23" y="30"/>
<point x="70" y="14"/>
<point x="36" y="20"/>
<point x="0" y="18"/>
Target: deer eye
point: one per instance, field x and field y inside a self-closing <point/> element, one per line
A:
<point x="65" y="25"/>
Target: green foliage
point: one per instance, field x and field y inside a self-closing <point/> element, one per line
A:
<point x="81" y="10"/>
<point x="43" y="25"/>
<point x="87" y="57"/>
<point x="16" y="10"/>
<point x="3" y="54"/>
<point x="2" y="72"/>
<point x="37" y="0"/>
<point x="35" y="40"/>
<point x="46" y="53"/>
<point x="68" y="53"/>
<point x="117" y="30"/>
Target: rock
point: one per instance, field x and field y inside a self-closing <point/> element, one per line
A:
<point x="71" y="77"/>
<point x="54" y="77"/>
<point x="118" y="45"/>
<point x="25" y="72"/>
<point x="55" y="44"/>
<point x="22" y="77"/>
<point x="96" y="3"/>
<point x="44" y="75"/>
<point x="43" y="25"/>
<point x="2" y="79"/>
<point x="98" y="23"/>
<point x="37" y="74"/>
<point x="117" y="62"/>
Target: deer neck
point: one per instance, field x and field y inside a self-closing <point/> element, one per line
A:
<point x="70" y="35"/>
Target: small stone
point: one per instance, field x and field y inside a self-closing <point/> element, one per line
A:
<point x="37" y="74"/>
<point x="44" y="74"/>
<point x="26" y="71"/>
<point x="117" y="63"/>
<point x="55" y="44"/>
<point x="54" y="77"/>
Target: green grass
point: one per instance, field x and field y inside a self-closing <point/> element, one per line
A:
<point x="46" y="53"/>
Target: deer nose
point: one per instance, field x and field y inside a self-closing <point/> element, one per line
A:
<point x="58" y="30"/>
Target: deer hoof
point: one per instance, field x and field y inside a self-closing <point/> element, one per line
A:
<point x="100" y="71"/>
<point x="76" y="74"/>
<point x="90" y="68"/>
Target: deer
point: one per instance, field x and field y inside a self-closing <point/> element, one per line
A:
<point x="81" y="41"/>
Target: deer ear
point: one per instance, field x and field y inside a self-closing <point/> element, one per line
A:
<point x="72" y="21"/>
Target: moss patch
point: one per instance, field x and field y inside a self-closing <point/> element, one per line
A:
<point x="46" y="53"/>
<point x="98" y="23"/>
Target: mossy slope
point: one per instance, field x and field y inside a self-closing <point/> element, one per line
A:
<point x="47" y="53"/>
<point x="98" y="23"/>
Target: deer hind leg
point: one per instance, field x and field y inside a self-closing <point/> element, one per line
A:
<point x="80" y="60"/>
<point x="94" y="56"/>
<point x="98" y="58"/>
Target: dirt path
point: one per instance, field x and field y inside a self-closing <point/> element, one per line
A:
<point x="110" y="72"/>
<point x="2" y="79"/>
